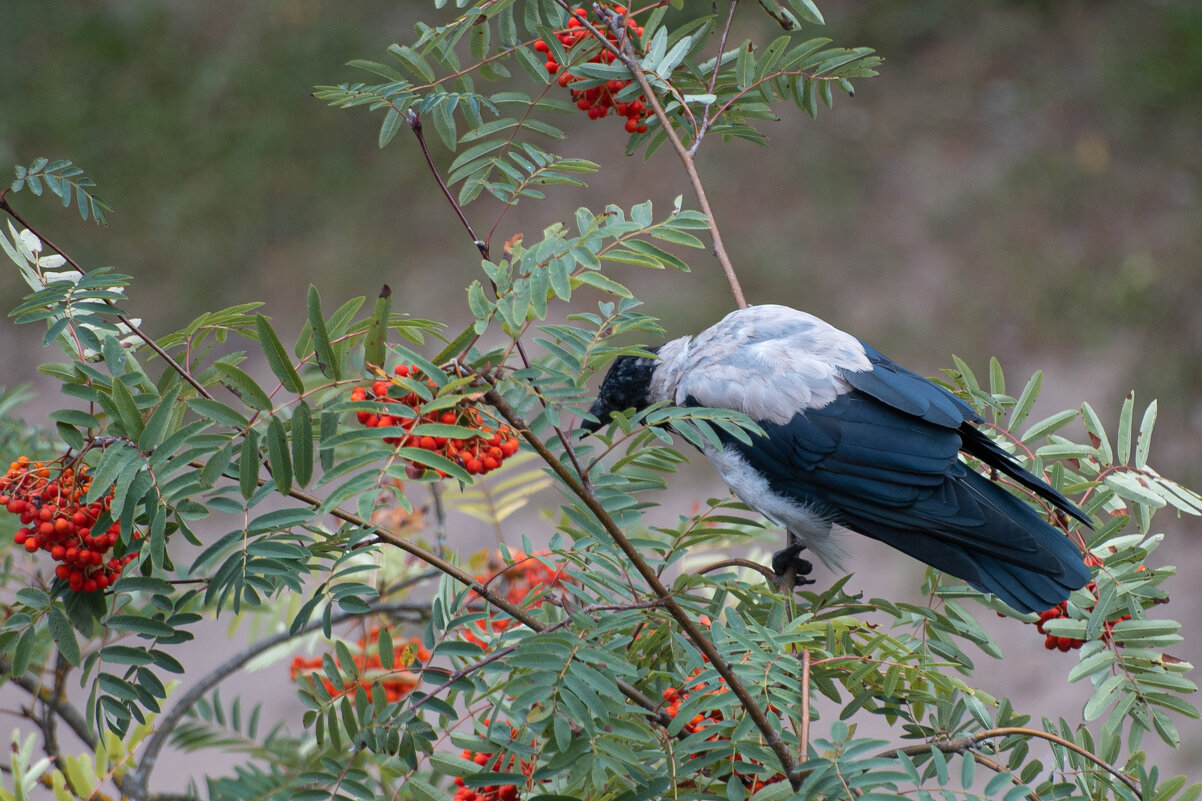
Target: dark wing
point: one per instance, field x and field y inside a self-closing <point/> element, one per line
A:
<point x="909" y="392"/>
<point x="883" y="460"/>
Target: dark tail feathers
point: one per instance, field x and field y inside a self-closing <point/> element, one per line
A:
<point x="982" y="447"/>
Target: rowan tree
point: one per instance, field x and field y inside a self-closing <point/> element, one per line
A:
<point x="220" y="472"/>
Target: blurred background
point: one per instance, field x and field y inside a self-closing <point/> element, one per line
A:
<point x="1022" y="180"/>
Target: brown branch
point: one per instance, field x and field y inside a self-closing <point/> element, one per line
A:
<point x="763" y="570"/>
<point x="769" y="731"/>
<point x="964" y="744"/>
<point x="803" y="749"/>
<point x="415" y="125"/>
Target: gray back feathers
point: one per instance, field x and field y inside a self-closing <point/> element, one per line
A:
<point x="769" y="362"/>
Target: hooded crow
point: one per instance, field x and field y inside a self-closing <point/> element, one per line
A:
<point x="855" y="440"/>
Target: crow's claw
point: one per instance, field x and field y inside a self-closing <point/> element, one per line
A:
<point x="788" y="560"/>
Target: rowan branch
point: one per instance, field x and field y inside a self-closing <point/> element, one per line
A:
<point x="767" y="729"/>
<point x="964" y="744"/>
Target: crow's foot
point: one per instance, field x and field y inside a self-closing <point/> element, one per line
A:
<point x="789" y="567"/>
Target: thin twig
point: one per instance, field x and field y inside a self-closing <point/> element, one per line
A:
<point x="803" y="747"/>
<point x="964" y="744"/>
<point x="415" y="125"/>
<point x="763" y="570"/>
<point x="559" y="433"/>
<point x="713" y="82"/>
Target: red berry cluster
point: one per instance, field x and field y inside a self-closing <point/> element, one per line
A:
<point x="397" y="683"/>
<point x="478" y="454"/>
<point x="514" y="582"/>
<point x="496" y="763"/>
<point x="674" y="697"/>
<point x="1064" y="644"/>
<point x="599" y="100"/>
<point x="50" y="503"/>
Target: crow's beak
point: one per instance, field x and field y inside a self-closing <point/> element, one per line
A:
<point x="599" y="411"/>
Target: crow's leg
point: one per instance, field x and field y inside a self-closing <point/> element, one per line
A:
<point x="789" y="567"/>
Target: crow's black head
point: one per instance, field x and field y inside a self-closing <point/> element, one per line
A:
<point x="625" y="387"/>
